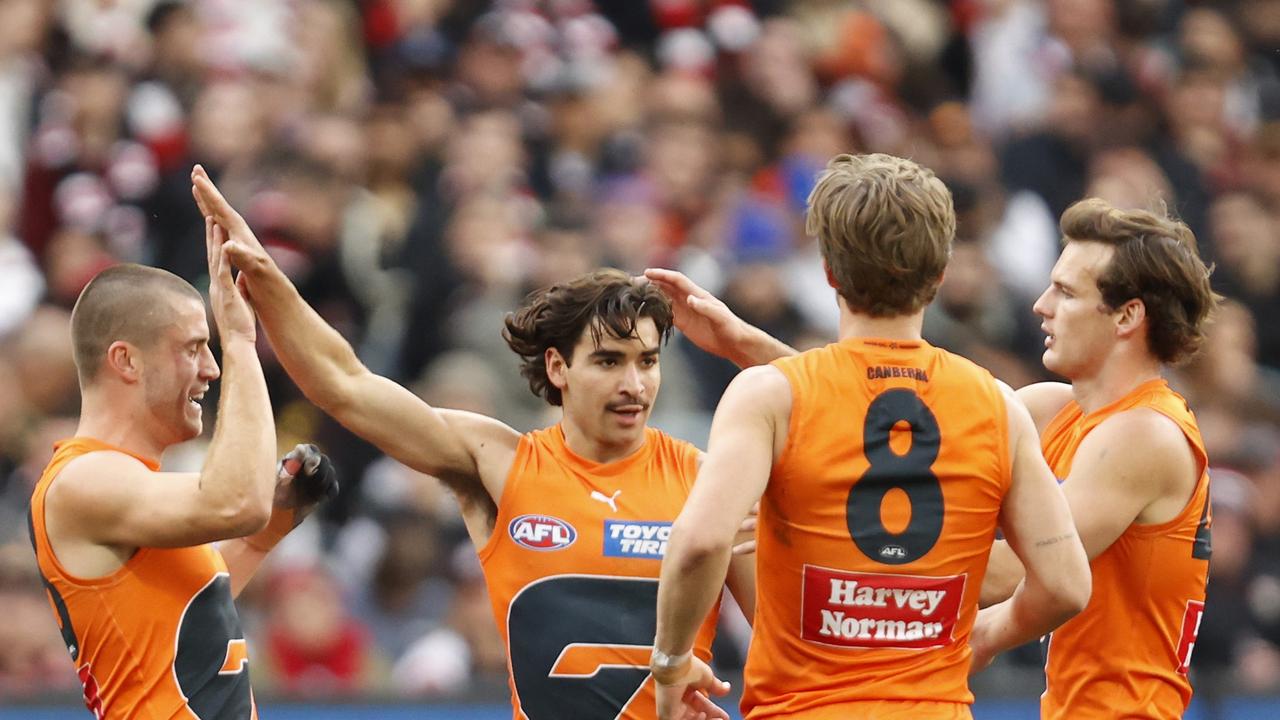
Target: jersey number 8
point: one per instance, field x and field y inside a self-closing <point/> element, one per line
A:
<point x="910" y="472"/>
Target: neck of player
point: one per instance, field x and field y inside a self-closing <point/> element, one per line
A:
<point x="596" y="449"/>
<point x="899" y="327"/>
<point x="1114" y="378"/>
<point x="109" y="421"/>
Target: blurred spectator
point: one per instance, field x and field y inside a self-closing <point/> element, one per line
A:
<point x="314" y="646"/>
<point x="418" y="165"/>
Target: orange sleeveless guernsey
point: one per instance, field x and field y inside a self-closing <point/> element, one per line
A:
<point x="158" y="638"/>
<point x="874" y="534"/>
<point x="572" y="570"/>
<point x="1127" y="654"/>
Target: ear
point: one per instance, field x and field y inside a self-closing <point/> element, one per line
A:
<point x="557" y="366"/>
<point x="1131" y="318"/>
<point x="831" y="279"/>
<point x="124" y="360"/>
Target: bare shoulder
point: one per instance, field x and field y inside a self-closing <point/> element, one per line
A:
<point x="762" y="384"/>
<point x="1044" y="401"/>
<point x="1138" y="448"/>
<point x="94" y="479"/>
<point x="1154" y="434"/>
<point x="491" y="442"/>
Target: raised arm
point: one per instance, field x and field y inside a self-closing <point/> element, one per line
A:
<point x="712" y="326"/>
<point x="466" y="451"/>
<point x="1040" y="532"/>
<point x="230" y="497"/>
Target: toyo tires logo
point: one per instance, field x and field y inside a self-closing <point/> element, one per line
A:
<point x="542" y="532"/>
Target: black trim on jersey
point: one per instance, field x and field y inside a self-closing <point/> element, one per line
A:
<point x="59" y="605"/>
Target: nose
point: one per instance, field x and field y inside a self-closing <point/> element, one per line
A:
<point x="209" y="367"/>
<point x="1041" y="307"/>
<point x="632" y="382"/>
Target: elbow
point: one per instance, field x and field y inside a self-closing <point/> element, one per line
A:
<point x="692" y="548"/>
<point x="246" y="517"/>
<point x="1070" y="596"/>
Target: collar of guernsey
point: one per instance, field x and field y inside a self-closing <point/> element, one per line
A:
<point x="93" y="445"/>
<point x="613" y="468"/>
<point x="1072" y="413"/>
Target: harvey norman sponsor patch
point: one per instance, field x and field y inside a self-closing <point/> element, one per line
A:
<point x="873" y="610"/>
<point x="636" y="539"/>
<point x="542" y="532"/>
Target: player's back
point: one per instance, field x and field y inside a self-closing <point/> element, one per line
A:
<point x="572" y="570"/>
<point x="1127" y="654"/>
<point x="157" y="638"/>
<point x="874" y="534"/>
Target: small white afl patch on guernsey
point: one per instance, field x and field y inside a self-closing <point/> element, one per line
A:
<point x="542" y="532"/>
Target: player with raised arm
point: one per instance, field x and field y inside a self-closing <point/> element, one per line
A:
<point x="570" y="522"/>
<point x="141" y="597"/>
<point x="883" y="466"/>
<point x="1128" y="295"/>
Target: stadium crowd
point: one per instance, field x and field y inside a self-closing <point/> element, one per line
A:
<point x="417" y="166"/>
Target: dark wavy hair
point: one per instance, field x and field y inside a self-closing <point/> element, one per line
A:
<point x="1155" y="261"/>
<point x="555" y="317"/>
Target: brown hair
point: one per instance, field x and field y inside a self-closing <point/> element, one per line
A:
<point x="884" y="226"/>
<point x="124" y="302"/>
<point x="556" y="316"/>
<point x="1155" y="261"/>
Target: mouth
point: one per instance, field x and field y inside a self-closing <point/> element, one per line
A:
<point x="1049" y="336"/>
<point x="629" y="413"/>
<point x="197" y="398"/>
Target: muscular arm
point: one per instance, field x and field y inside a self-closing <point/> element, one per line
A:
<point x="1037" y="522"/>
<point x="326" y="369"/>
<point x="1110" y="485"/>
<point x="733" y="477"/>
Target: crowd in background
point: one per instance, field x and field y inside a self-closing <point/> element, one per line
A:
<point x="417" y="166"/>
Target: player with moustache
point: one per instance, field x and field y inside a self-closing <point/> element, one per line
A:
<point x="570" y="522"/>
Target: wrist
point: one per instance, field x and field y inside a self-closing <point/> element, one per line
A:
<point x="668" y="669"/>
<point x="278" y="526"/>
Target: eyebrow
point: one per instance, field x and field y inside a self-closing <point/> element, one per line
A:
<point x="616" y="354"/>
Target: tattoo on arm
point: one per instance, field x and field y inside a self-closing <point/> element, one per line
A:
<point x="1054" y="540"/>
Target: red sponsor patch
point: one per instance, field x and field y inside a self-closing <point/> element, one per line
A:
<point x="1187" y="637"/>
<point x="92" y="694"/>
<point x="873" y="610"/>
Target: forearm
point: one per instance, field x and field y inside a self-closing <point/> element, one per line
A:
<point x="238" y="476"/>
<point x="315" y="355"/>
<point x="1028" y="615"/>
<point x="691" y="580"/>
<point x="1004" y="572"/>
<point x="243" y="560"/>
<point x="757" y="347"/>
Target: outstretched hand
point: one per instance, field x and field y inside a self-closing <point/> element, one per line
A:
<point x="701" y="316"/>
<point x="231" y="313"/>
<point x="240" y="245"/>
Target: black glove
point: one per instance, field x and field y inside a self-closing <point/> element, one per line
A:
<point x="305" y="478"/>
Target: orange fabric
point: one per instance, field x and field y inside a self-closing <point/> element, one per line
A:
<point x="572" y="570"/>
<point x="1126" y="654"/>
<point x="907" y="445"/>
<point x="157" y="639"/>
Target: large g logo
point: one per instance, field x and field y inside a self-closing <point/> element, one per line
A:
<point x="211" y="664"/>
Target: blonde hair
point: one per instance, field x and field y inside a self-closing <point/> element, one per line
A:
<point x="1155" y="261"/>
<point x="884" y="225"/>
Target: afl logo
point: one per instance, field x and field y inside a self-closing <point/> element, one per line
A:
<point x="542" y="532"/>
